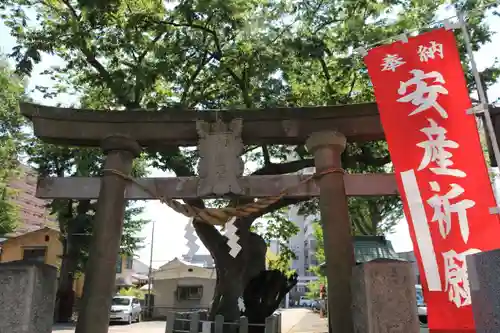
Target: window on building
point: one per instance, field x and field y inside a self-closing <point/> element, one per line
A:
<point x="185" y="293"/>
<point x="119" y="264"/>
<point x="129" y="263"/>
<point x="34" y="254"/>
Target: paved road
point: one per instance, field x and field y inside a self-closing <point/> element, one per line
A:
<point x="310" y="322"/>
<point x="144" y="327"/>
<point x="293" y="321"/>
<point x="305" y="321"/>
<point x="290" y="317"/>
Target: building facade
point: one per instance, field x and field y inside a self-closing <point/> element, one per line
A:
<point x="32" y="211"/>
<point x="180" y="286"/>
<point x="41" y="246"/>
<point x="304" y="246"/>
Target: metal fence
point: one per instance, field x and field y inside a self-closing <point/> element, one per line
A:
<point x="196" y="322"/>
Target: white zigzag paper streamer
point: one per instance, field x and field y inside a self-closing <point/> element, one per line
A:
<point x="191" y="239"/>
<point x="241" y="304"/>
<point x="232" y="238"/>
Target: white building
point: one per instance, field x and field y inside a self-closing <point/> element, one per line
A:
<point x="304" y="246"/>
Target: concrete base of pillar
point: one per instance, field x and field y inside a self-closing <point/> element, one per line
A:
<point x="27" y="297"/>
<point x="484" y="279"/>
<point x="384" y="298"/>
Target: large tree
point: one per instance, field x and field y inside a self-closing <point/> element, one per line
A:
<point x="11" y="142"/>
<point x="225" y="54"/>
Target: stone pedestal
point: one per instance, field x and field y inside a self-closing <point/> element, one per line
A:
<point x="27" y="297"/>
<point x="384" y="298"/>
<point x="484" y="279"/>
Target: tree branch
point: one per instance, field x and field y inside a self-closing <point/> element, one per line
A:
<point x="203" y="61"/>
<point x="246" y="222"/>
<point x="265" y="154"/>
<point x="72" y="10"/>
<point x="351" y="89"/>
<point x="284" y="168"/>
<point x="141" y="57"/>
<point x="138" y="87"/>
<point x="328" y="78"/>
<point x="92" y="60"/>
<point x="218" y="56"/>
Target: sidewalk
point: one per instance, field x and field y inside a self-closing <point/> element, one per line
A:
<point x="302" y="320"/>
<point x="306" y="321"/>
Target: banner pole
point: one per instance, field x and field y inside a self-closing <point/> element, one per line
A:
<point x="482" y="96"/>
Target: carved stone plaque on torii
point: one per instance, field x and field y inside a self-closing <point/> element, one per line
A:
<point x="220" y="137"/>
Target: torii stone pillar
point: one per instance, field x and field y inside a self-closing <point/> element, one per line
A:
<point x="327" y="148"/>
<point x="107" y="231"/>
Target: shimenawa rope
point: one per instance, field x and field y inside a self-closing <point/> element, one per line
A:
<point x="219" y="216"/>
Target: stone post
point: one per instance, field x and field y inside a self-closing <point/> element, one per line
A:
<point x="100" y="272"/>
<point x="484" y="281"/>
<point x="27" y="297"/>
<point x="327" y="148"/>
<point x="384" y="297"/>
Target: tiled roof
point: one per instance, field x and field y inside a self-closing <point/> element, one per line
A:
<point x="368" y="248"/>
<point x="24" y="231"/>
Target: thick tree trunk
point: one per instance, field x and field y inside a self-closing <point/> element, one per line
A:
<point x="234" y="274"/>
<point x="243" y="277"/>
<point x="65" y="293"/>
<point x="74" y="227"/>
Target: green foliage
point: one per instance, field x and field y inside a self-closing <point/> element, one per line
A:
<point x="11" y="138"/>
<point x="132" y="291"/>
<point x="314" y="286"/>
<point x="279" y="229"/>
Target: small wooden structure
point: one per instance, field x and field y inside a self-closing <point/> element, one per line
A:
<point x="174" y="279"/>
<point x="122" y="135"/>
<point x="196" y="322"/>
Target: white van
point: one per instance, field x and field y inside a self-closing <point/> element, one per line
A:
<point x="305" y="302"/>
<point x="125" y="309"/>
<point x="421" y="306"/>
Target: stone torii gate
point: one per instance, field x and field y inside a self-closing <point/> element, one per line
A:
<point x="122" y="135"/>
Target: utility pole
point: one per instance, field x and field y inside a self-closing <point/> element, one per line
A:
<point x="150" y="273"/>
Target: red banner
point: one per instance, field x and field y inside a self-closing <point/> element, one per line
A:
<point x="442" y="176"/>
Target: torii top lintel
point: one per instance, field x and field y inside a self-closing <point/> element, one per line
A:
<point x="176" y="127"/>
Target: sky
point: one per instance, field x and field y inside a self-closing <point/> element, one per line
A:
<point x="168" y="241"/>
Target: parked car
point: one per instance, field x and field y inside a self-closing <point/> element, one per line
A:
<point x="304" y="302"/>
<point x="125" y="309"/>
<point x="421" y="306"/>
<point x="316" y="305"/>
